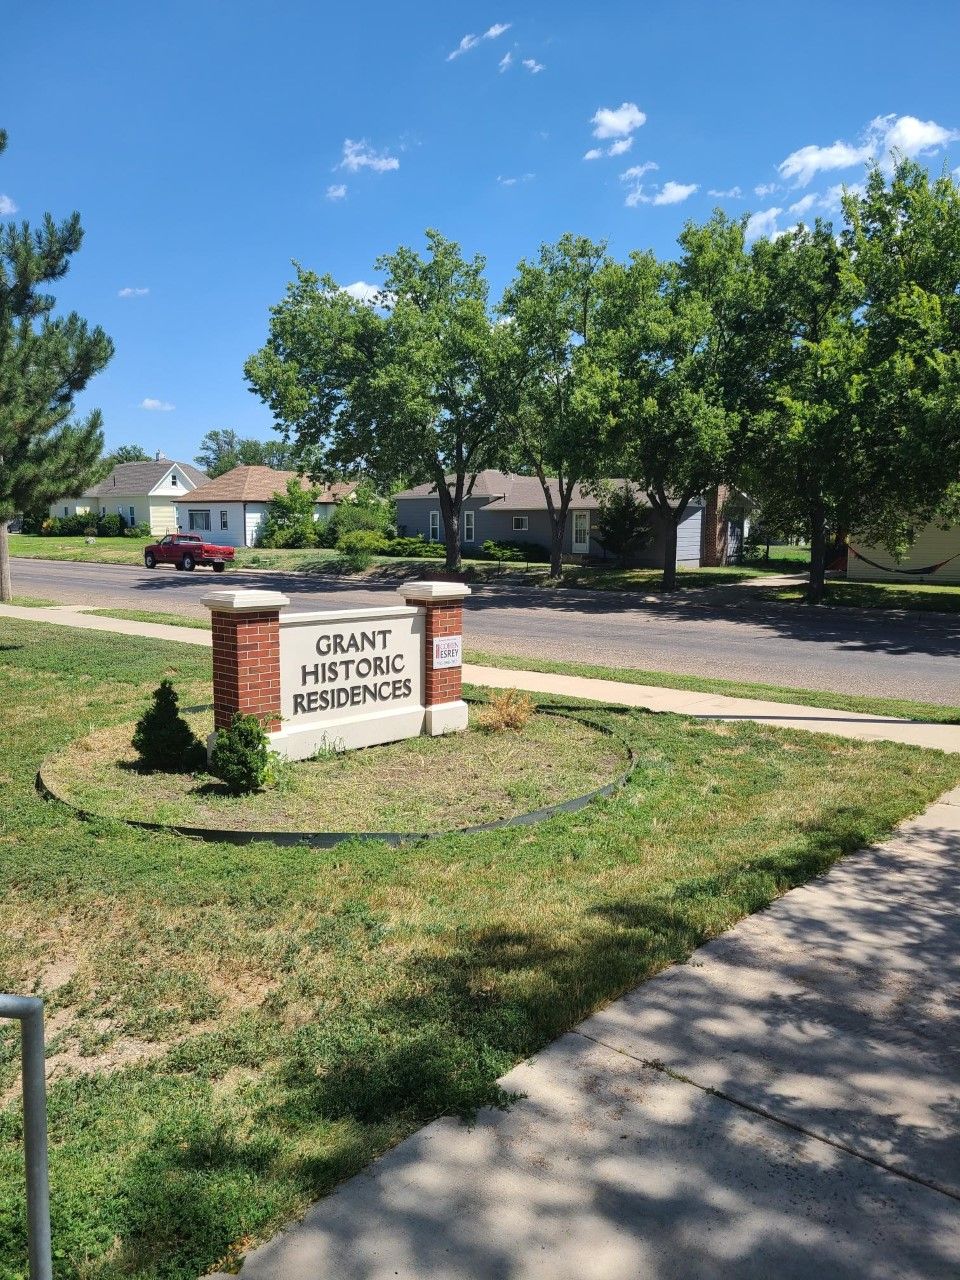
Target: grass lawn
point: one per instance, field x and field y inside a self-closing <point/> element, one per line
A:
<point x="32" y="602"/>
<point x="233" y="1030"/>
<point x="475" y="777"/>
<point x="901" y="707"/>
<point x="150" y="615"/>
<point x="926" y="597"/>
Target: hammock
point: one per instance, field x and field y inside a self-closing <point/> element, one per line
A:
<point x="914" y="573"/>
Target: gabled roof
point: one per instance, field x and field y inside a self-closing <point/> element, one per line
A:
<point x="259" y="484"/>
<point x="136" y="479"/>
<point x="507" y="491"/>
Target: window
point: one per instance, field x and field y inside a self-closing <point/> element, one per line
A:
<point x="66" y="511"/>
<point x="581" y="532"/>
<point x="469" y="525"/>
<point x="521" y="524"/>
<point x="173" y="478"/>
<point x="199" y="520"/>
<point x="223" y="520"/>
<point x="434" y="526"/>
<point x="103" y="511"/>
<point x="133" y="515"/>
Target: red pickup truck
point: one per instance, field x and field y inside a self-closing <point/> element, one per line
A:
<point x="186" y="551"/>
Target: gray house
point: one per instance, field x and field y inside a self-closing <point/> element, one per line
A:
<point x="511" y="508"/>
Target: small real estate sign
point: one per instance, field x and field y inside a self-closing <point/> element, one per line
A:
<point x="447" y="652"/>
<point x="350" y="678"/>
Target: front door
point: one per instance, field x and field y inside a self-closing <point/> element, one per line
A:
<point x="581" y="533"/>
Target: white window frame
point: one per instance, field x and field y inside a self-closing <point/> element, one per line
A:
<point x="132" y="514"/>
<point x="224" y="520"/>
<point x="193" y="526"/>
<point x="173" y="478"/>
<point x="434" y="526"/>
<point x="581" y="545"/>
<point x="521" y="524"/>
<point x="470" y="526"/>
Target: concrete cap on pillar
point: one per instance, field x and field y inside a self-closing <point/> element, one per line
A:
<point x="245" y="601"/>
<point x="434" y="591"/>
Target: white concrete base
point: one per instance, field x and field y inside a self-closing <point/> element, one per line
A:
<point x="447" y="717"/>
<point x="347" y="734"/>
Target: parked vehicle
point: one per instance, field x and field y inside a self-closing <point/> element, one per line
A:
<point x="186" y="551"/>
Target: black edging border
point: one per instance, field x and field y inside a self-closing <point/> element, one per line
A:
<point x="330" y="839"/>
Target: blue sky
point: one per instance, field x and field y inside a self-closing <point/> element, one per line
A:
<point x="206" y="144"/>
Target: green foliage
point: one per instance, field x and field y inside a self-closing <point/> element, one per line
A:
<point x="163" y="739"/>
<point x="123" y="453"/>
<point x="359" y="546"/>
<point x="87" y="524"/>
<point x="289" y="521"/>
<point x="364" y="509"/>
<point x="410" y="388"/>
<point x="558" y="398"/>
<point x="241" y="755"/>
<point x="416" y="546"/>
<point x="111" y="526"/>
<point x="45" y="361"/>
<point x="139" y="530"/>
<point x="623" y="522"/>
<point x="515" y="552"/>
<point x="221" y="451"/>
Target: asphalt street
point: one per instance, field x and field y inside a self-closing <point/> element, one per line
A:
<point x="723" y="633"/>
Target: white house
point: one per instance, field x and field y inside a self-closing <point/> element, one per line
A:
<point x="141" y="492"/>
<point x="231" y="507"/>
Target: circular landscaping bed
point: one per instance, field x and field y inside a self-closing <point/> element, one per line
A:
<point x="419" y="786"/>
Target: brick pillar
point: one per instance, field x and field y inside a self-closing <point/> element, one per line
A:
<point x="713" y="550"/>
<point x="442" y="602"/>
<point x="246" y="655"/>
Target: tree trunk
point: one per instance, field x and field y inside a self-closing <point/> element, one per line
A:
<point x="6" y="584"/>
<point x="451" y="538"/>
<point x="818" y="553"/>
<point x="558" y="527"/>
<point x="669" y="553"/>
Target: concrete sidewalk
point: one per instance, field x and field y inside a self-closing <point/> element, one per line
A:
<point x="786" y="1104"/>
<point x="848" y="724"/>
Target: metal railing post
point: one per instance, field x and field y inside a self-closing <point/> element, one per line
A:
<point x="29" y="1011"/>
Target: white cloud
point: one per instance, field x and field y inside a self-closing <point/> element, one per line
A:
<point x="471" y="41"/>
<point x="337" y="191"/>
<point x="362" y="291"/>
<point x="593" y="154"/>
<point x="906" y="135"/>
<point x="158" y="406"/>
<point x="359" y="155"/>
<point x="533" y="66"/>
<point x="732" y="193"/>
<point x="763" y="224"/>
<point x="617" y="122"/>
<point x="675" y="192"/>
<point x="6" y="206"/>
<point x="636" y="171"/>
<point x="766" y="189"/>
<point x="131" y="291"/>
<point x="468" y="42"/>
<point x="506" y="62"/>
<point x="619" y="147"/>
<point x="804" y="204"/>
<point x="512" y="182"/>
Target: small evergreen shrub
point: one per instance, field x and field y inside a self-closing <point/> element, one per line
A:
<point x="163" y="739"/>
<point x="417" y="546"/>
<point x="241" y="755"/>
<point x="515" y="552"/>
<point x="506" y="709"/>
<point x="359" y="546"/>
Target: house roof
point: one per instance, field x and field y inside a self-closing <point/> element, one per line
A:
<point x="510" y="492"/>
<point x="258" y="484"/>
<point x="140" y="478"/>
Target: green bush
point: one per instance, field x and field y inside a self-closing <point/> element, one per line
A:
<point x="359" y="546"/>
<point x="141" y="530"/>
<point x="515" y="552"/>
<point x="111" y="526"/>
<point x="163" y="739"/>
<point x="417" y="546"/>
<point x="241" y="755"/>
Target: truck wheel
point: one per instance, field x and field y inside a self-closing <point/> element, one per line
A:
<point x="150" y="560"/>
<point x="188" y="563"/>
<point x="219" y="566"/>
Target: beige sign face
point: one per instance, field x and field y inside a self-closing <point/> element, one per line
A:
<point x="343" y="667"/>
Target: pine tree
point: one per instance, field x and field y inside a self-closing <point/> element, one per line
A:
<point x="45" y="361"/>
<point x="163" y="739"/>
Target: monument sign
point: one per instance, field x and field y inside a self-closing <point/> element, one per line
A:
<point x="340" y="678"/>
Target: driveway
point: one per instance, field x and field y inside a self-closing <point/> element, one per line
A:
<point x="716" y="633"/>
<point x="786" y="1104"/>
